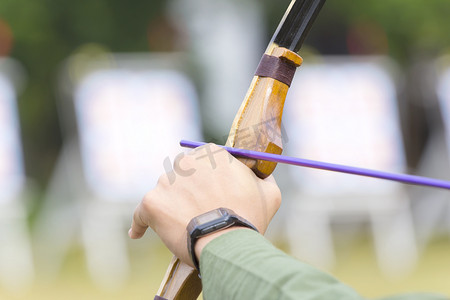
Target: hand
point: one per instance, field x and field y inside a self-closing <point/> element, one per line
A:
<point x="217" y="180"/>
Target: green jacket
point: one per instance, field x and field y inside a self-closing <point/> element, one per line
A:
<point x="242" y="264"/>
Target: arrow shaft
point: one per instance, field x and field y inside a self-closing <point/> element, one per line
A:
<point x="404" y="178"/>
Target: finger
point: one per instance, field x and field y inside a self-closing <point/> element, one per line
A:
<point x="274" y="193"/>
<point x="271" y="179"/>
<point x="138" y="226"/>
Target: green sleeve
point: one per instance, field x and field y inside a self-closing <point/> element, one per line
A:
<point x="417" y="296"/>
<point x="242" y="264"/>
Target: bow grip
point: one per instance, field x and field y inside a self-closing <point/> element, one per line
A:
<point x="257" y="125"/>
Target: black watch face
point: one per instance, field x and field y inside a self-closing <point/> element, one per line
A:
<point x="208" y="217"/>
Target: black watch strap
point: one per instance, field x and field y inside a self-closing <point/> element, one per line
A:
<point x="210" y="222"/>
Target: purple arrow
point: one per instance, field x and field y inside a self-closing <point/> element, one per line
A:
<point x="405" y="178"/>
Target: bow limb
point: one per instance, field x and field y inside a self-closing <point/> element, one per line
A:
<point x="181" y="282"/>
<point x="257" y="125"/>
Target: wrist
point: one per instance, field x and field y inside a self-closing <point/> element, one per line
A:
<point x="203" y="241"/>
<point x="209" y="224"/>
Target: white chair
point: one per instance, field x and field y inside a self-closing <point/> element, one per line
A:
<point x="16" y="263"/>
<point x="343" y="110"/>
<point x="444" y="101"/>
<point x="433" y="205"/>
<point x="129" y="118"/>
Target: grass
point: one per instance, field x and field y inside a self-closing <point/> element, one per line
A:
<point x="356" y="266"/>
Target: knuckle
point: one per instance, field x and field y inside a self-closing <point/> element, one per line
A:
<point x="188" y="161"/>
<point x="149" y="201"/>
<point x="213" y="146"/>
<point x="276" y="195"/>
<point x="220" y="152"/>
<point x="183" y="159"/>
<point x="163" y="181"/>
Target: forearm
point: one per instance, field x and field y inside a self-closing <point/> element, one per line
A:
<point x="243" y="265"/>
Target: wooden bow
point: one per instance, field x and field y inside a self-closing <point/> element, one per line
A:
<point x="257" y="125"/>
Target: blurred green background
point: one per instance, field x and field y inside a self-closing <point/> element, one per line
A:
<point x="45" y="32"/>
<point x="42" y="34"/>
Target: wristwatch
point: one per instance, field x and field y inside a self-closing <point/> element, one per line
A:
<point x="210" y="222"/>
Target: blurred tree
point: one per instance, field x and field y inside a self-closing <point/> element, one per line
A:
<point x="45" y="32"/>
<point x="412" y="32"/>
<point x="410" y="26"/>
